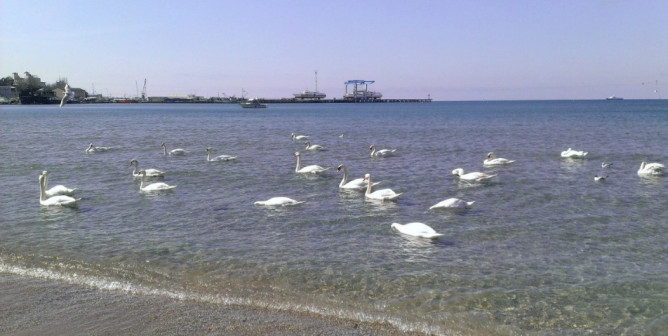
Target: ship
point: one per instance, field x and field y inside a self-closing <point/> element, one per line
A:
<point x="126" y="100"/>
<point x="307" y="94"/>
<point x="614" y="98"/>
<point x="252" y="103"/>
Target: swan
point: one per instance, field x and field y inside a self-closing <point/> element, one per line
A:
<point x="416" y="229"/>
<point x="61" y="200"/>
<point x="150" y="172"/>
<point x="153" y="187"/>
<point x="606" y="164"/>
<point x="650" y="169"/>
<point x="600" y="178"/>
<point x="278" y="201"/>
<point x="382" y="152"/>
<point x="173" y="152"/>
<point x="492" y="160"/>
<point x="299" y="137"/>
<point x="358" y="183"/>
<point x="471" y="177"/>
<point x="95" y="149"/>
<point x="452" y="203"/>
<point x="312" y="169"/>
<point x="573" y="154"/>
<point x="341" y="135"/>
<point x="56" y="190"/>
<point x="219" y="157"/>
<point x="313" y="148"/>
<point x="382" y="194"/>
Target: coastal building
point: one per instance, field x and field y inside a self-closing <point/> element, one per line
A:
<point x="28" y="80"/>
<point x="8" y="94"/>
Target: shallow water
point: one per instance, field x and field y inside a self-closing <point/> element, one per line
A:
<point x="545" y="250"/>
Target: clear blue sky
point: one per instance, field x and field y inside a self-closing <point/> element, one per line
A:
<point x="452" y="50"/>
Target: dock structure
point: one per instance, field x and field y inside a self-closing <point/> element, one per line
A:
<point x="358" y="90"/>
<point x="341" y="101"/>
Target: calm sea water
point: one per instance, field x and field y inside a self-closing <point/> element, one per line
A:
<point x="544" y="251"/>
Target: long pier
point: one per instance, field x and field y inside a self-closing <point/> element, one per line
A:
<point x="342" y="101"/>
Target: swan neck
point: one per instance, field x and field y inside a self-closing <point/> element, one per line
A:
<point x="345" y="177"/>
<point x="368" y="187"/>
<point x="42" y="193"/>
<point x="164" y="150"/>
<point x="298" y="163"/>
<point x="208" y="156"/>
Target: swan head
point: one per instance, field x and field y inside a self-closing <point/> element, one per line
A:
<point x="163" y="145"/>
<point x="340" y="167"/>
<point x="367" y="176"/>
<point x="296" y="154"/>
<point x="372" y="147"/>
<point x="308" y="144"/>
<point x="208" y="149"/>
<point x="133" y="162"/>
<point x="458" y="172"/>
<point x="490" y="155"/>
<point x="44" y="172"/>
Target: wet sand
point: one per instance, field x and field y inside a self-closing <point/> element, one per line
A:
<point x="38" y="307"/>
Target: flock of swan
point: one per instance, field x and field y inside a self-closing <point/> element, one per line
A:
<point x="62" y="196"/>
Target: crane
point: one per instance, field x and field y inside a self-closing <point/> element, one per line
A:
<point x="143" y="92"/>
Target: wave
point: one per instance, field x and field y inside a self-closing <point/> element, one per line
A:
<point x="112" y="285"/>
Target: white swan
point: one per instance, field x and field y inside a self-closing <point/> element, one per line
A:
<point x="573" y="154"/>
<point x="357" y="184"/>
<point x="153" y="187"/>
<point x="606" y="164"/>
<point x="278" y="201"/>
<point x="150" y="172"/>
<point x="382" y="194"/>
<point x="492" y="160"/>
<point x="312" y="169"/>
<point x="60" y="200"/>
<point x="173" y="152"/>
<point x="96" y="149"/>
<point x="219" y="157"/>
<point x="299" y="137"/>
<point x="600" y="178"/>
<point x="471" y="177"/>
<point x="56" y="190"/>
<point x="313" y="148"/>
<point x="416" y="229"/>
<point x="452" y="203"/>
<point x="382" y="152"/>
<point x="650" y="169"/>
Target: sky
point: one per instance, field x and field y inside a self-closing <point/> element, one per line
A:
<point x="446" y="50"/>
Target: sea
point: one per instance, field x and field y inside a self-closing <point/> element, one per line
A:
<point x="544" y="250"/>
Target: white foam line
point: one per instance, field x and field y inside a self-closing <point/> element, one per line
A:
<point x="127" y="287"/>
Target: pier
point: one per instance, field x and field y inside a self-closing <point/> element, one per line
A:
<point x="342" y="101"/>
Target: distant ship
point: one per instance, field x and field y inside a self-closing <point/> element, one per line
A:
<point x="252" y="103"/>
<point x="306" y="94"/>
<point x="614" y="98"/>
<point x="126" y="100"/>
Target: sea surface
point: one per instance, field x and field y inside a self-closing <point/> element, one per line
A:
<point x="545" y="250"/>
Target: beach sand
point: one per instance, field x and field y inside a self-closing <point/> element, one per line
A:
<point x="38" y="307"/>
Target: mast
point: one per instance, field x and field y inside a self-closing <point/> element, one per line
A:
<point x="316" y="81"/>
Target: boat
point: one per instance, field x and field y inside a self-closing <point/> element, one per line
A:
<point x="306" y="94"/>
<point x="126" y="100"/>
<point x="252" y="103"/>
<point x="614" y="98"/>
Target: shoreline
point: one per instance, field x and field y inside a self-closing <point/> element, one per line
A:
<point x="31" y="306"/>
